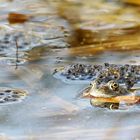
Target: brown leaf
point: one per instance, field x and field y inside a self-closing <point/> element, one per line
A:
<point x="14" y="18"/>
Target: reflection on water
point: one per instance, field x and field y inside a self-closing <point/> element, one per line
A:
<point x="61" y="33"/>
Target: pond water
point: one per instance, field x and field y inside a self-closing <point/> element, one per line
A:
<point x="57" y="34"/>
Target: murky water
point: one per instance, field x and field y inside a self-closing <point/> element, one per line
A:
<point x="58" y="34"/>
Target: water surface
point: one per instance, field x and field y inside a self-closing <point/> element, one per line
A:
<point x="70" y="32"/>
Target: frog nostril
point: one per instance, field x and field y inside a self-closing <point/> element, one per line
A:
<point x="115" y="85"/>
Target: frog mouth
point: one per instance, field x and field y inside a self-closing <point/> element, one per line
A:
<point x="85" y="93"/>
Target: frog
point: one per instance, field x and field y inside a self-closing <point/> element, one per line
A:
<point x="110" y="89"/>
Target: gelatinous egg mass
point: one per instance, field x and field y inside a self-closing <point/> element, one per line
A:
<point x="10" y="95"/>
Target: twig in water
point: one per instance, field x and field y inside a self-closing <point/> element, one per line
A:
<point x="17" y="60"/>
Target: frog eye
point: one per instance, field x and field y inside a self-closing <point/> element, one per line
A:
<point x="114" y="86"/>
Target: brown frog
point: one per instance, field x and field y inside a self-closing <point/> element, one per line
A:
<point x="109" y="90"/>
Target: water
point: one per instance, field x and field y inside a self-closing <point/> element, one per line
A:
<point x="51" y="109"/>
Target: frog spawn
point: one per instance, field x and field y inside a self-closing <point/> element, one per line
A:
<point x="9" y="95"/>
<point x="8" y="48"/>
<point x="8" y="41"/>
<point x="78" y="73"/>
<point x="123" y="74"/>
